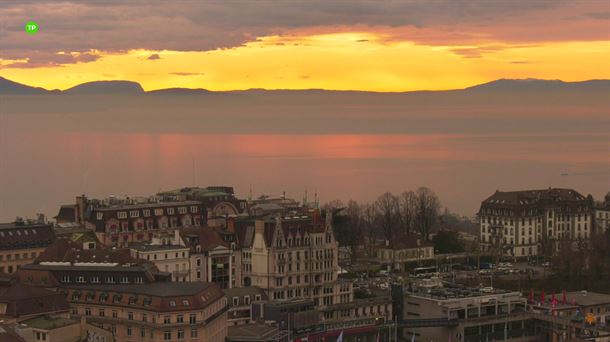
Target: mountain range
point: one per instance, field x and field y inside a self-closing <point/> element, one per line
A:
<point x="8" y="87"/>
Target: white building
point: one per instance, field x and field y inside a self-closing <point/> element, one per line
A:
<point x="169" y="253"/>
<point x="522" y="223"/>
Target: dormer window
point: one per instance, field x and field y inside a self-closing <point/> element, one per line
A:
<point x="172" y="303"/>
<point x="121" y="214"/>
<point x="99" y="215"/>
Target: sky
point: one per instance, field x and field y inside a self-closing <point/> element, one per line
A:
<point x="344" y="145"/>
<point x="345" y="45"/>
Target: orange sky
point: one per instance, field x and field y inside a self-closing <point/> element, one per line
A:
<point x="343" y="61"/>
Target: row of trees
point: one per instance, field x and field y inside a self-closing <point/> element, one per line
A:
<point x="389" y="217"/>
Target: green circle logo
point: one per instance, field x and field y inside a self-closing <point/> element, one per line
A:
<point x="31" y="27"/>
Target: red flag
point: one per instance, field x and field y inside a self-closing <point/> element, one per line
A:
<point x="564" y="300"/>
<point x="554" y="300"/>
<point x="531" y="297"/>
<point x="542" y="296"/>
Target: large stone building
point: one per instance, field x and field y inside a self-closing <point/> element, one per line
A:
<point x="119" y="222"/>
<point x="214" y="256"/>
<point x="218" y="201"/>
<point x="68" y="262"/>
<point x="531" y="222"/>
<point x="402" y="252"/>
<point x="168" y="252"/>
<point x="296" y="257"/>
<point x="195" y="311"/>
<point x="22" y="241"/>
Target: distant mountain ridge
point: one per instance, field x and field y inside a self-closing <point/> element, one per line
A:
<point x="8" y="87"/>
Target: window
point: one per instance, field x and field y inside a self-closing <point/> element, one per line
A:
<point x="193" y="319"/>
<point x="166" y="319"/>
<point x="121" y="214"/>
<point x="129" y="331"/>
<point x="114" y="314"/>
<point x="172" y="303"/>
<point x="181" y="334"/>
<point x="101" y="313"/>
<point x="167" y="335"/>
<point x="247" y="300"/>
<point x="185" y="302"/>
<point x="235" y="301"/>
<point x="180" y="319"/>
<point x="170" y="211"/>
<point x="193" y="332"/>
<point x="87" y="311"/>
<point x="130" y="316"/>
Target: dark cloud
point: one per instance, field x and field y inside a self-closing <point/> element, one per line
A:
<point x="112" y="26"/>
<point x="154" y="57"/>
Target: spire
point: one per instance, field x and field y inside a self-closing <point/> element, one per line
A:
<point x="305" y="198"/>
<point x="250" y="194"/>
<point x="316" y="204"/>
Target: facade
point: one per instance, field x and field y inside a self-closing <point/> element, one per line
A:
<point x="602" y="215"/>
<point x="531" y="222"/>
<point x="121" y="222"/>
<point x="468" y="315"/>
<point x="240" y="301"/>
<point x="214" y="256"/>
<point x="407" y="250"/>
<point x="193" y="311"/>
<point x="20" y="302"/>
<point x="21" y="242"/>
<point x="169" y="253"/>
<point x="218" y="201"/>
<point x="296" y="258"/>
<point x="68" y="262"/>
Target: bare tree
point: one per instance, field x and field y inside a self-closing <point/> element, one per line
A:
<point x="386" y="207"/>
<point x="369" y="221"/>
<point x="427" y="211"/>
<point x="406" y="208"/>
<point x="357" y="226"/>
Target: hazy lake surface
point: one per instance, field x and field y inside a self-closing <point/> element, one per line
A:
<point x="464" y="147"/>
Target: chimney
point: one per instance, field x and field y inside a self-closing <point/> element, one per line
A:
<point x="81" y="204"/>
<point x="176" y="237"/>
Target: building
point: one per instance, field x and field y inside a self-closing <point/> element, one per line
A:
<point x="119" y="222"/>
<point x="69" y="262"/>
<point x="240" y="300"/>
<point x="218" y="201"/>
<point x="22" y="241"/>
<point x="467" y="314"/>
<point x="578" y="305"/>
<point x="531" y="222"/>
<point x="602" y="215"/>
<point x="400" y="254"/>
<point x="20" y="302"/>
<point x="214" y="257"/>
<point x="296" y="258"/>
<point x="194" y="311"/>
<point x="168" y="252"/>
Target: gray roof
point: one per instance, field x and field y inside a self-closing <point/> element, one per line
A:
<point x="161" y="289"/>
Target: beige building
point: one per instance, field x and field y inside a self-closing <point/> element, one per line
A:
<point x="168" y="252"/>
<point x="21" y="242"/>
<point x="296" y="257"/>
<point x="525" y="223"/>
<point x="214" y="256"/>
<point x="399" y="254"/>
<point x="194" y="311"/>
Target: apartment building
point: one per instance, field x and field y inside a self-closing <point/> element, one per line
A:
<point x="214" y="256"/>
<point x="296" y="257"/>
<point x="240" y="300"/>
<point x="522" y="223"/>
<point x="22" y="241"/>
<point x="403" y="251"/>
<point x="218" y="201"/>
<point x="189" y="312"/>
<point x="69" y="262"/>
<point x="119" y="222"/>
<point x="168" y="252"/>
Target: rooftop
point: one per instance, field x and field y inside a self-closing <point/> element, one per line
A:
<point x="252" y="332"/>
<point x="161" y="289"/>
<point x="49" y="323"/>
<point x="452" y="293"/>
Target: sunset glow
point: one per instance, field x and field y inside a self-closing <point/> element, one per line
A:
<point x="339" y="61"/>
